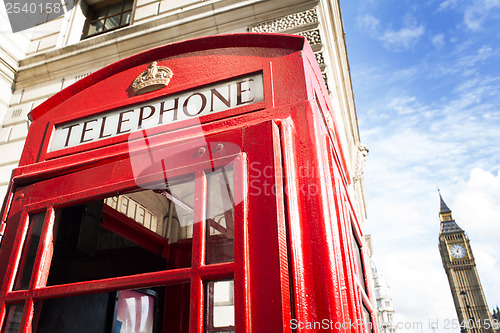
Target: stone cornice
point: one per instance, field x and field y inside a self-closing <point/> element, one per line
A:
<point x="130" y="40"/>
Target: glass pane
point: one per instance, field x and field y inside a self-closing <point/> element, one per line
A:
<point x="131" y="233"/>
<point x="115" y="8"/>
<point x="177" y="308"/>
<point x="128" y="5"/>
<point x="367" y="320"/>
<point x="135" y="312"/>
<point x="220" y="216"/>
<point x="123" y="311"/>
<point x="359" y="260"/>
<point x="99" y="13"/>
<point x="96" y="27"/>
<point x="182" y="198"/>
<point x="220" y="306"/>
<point x="14" y="317"/>
<point x="125" y="18"/>
<point x="29" y="251"/>
<point x="112" y="22"/>
<point x="82" y="313"/>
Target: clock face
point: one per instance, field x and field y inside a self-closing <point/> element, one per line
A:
<point x="457" y="251"/>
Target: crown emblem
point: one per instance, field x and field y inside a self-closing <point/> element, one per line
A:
<point x="153" y="78"/>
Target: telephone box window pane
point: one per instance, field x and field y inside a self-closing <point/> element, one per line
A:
<point x="220" y="306"/>
<point x="177" y="308"/>
<point x="135" y="312"/>
<point x="359" y="260"/>
<point x="181" y="195"/>
<point x="29" y="251"/>
<point x="82" y="313"/>
<point x="367" y="320"/>
<point x="131" y="233"/>
<point x="14" y="317"/>
<point x="220" y="216"/>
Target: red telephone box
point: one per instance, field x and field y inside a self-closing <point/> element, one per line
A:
<point x="196" y="187"/>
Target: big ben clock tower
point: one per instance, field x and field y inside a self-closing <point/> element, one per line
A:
<point x="460" y="266"/>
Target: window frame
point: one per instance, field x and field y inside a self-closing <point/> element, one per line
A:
<point x="197" y="274"/>
<point x="356" y="278"/>
<point x="92" y="8"/>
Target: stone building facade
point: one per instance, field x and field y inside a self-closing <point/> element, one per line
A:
<point x="385" y="307"/>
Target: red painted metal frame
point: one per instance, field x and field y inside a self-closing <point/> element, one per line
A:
<point x="293" y="246"/>
<point x="198" y="273"/>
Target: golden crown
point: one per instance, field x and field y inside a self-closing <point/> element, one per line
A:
<point x="153" y="78"/>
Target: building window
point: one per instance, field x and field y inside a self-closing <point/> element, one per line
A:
<point x="107" y="16"/>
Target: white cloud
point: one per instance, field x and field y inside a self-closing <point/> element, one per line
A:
<point x="447" y="4"/>
<point x="369" y="24"/>
<point x="394" y="40"/>
<point x="478" y="204"/>
<point x="475" y="12"/>
<point x="484" y="53"/>
<point x="405" y="241"/>
<point x="404" y="104"/>
<point x="409" y="156"/>
<point x="432" y="123"/>
<point x="480" y="10"/>
<point x="438" y="41"/>
<point x="476" y="208"/>
<point x="402" y="39"/>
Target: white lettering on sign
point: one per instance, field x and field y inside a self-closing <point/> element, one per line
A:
<point x="192" y="104"/>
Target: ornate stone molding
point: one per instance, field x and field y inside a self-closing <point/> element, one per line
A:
<point x="362" y="153"/>
<point x="81" y="76"/>
<point x="325" y="78"/>
<point x="292" y="21"/>
<point x="320" y="58"/>
<point x="287" y="22"/>
<point x="312" y="36"/>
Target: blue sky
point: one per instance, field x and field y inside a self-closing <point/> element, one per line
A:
<point x="426" y="81"/>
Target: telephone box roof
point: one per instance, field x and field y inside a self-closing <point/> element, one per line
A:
<point x="237" y="40"/>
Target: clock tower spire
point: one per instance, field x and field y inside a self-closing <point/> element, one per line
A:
<point x="460" y="266"/>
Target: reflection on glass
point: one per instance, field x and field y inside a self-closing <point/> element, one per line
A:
<point x="112" y="22"/>
<point x="125" y="18"/>
<point x="180" y="217"/>
<point x="220" y="216"/>
<point x="96" y="27"/>
<point x="135" y="313"/>
<point x="29" y="251"/>
<point x="13" y="320"/>
<point x="220" y="306"/>
<point x="125" y="311"/>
